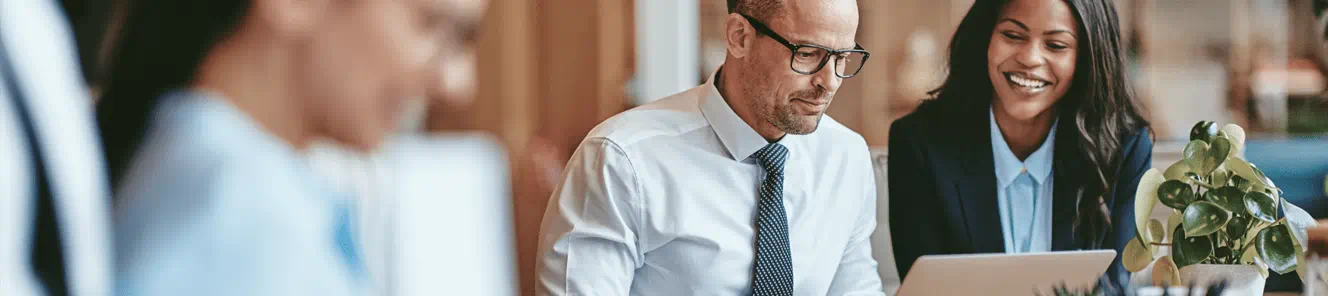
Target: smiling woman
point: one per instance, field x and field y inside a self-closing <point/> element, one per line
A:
<point x="1043" y="143"/>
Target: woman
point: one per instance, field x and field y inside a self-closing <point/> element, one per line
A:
<point x="1032" y="144"/>
<point x="206" y="117"/>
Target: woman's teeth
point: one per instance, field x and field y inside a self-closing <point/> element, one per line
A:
<point x="1026" y="82"/>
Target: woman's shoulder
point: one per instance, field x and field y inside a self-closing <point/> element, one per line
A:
<point x="913" y="123"/>
<point x="1140" y="135"/>
<point x="212" y="186"/>
<point x="1137" y="143"/>
<point x="925" y="111"/>
<point x="203" y="158"/>
<point x="932" y="119"/>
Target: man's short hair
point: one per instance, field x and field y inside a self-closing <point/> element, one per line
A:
<point x="762" y="10"/>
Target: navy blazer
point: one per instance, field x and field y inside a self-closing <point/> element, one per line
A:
<point x="943" y="187"/>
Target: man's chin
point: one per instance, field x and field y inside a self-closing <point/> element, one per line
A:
<point x="802" y="125"/>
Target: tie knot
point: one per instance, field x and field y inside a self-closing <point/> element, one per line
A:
<point x="772" y="158"/>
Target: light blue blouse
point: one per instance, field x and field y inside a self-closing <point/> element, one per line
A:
<point x="1031" y="176"/>
<point x="215" y="205"/>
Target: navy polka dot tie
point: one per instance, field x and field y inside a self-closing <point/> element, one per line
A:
<point x="774" y="262"/>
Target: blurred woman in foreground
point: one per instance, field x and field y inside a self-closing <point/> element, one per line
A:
<point x="207" y="111"/>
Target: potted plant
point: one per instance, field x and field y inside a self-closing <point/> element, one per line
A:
<point x="1227" y="222"/>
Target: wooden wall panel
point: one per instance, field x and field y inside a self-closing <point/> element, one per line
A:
<point x="548" y="72"/>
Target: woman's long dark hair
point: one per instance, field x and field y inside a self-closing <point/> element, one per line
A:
<point x="161" y="45"/>
<point x="1096" y="113"/>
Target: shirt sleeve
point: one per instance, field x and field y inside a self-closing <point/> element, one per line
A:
<point x="857" y="273"/>
<point x="588" y="239"/>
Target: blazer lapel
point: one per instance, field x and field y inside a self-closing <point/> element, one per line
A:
<point x="977" y="188"/>
<point x="1064" y="192"/>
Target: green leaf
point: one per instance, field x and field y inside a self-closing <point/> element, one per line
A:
<point x="1276" y="249"/>
<point x="1263" y="179"/>
<point x="1155" y="230"/>
<point x="1203" y="131"/>
<point x="1145" y="198"/>
<point x="1241" y="183"/>
<point x="1137" y="256"/>
<point x="1175" y="194"/>
<point x="1173" y="221"/>
<point x="1189" y="250"/>
<point x="1236" y="226"/>
<point x="1247" y="171"/>
<point x="1222" y="252"/>
<point x="1299" y="222"/>
<point x="1236" y="135"/>
<point x="1218" y="150"/>
<point x="1177" y="170"/>
<point x="1204" y="157"/>
<point x="1204" y="218"/>
<point x="1262" y="206"/>
<point x="1220" y="176"/>
<point x="1196" y="153"/>
<point x="1229" y="198"/>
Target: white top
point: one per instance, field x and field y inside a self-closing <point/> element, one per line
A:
<point x="1008" y="169"/>
<point x="434" y="212"/>
<point x="215" y="205"/>
<point x="41" y="49"/>
<point x="661" y="200"/>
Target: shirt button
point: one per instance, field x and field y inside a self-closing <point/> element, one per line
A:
<point x="1023" y="170"/>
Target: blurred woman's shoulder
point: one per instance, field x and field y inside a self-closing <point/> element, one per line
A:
<point x="202" y="155"/>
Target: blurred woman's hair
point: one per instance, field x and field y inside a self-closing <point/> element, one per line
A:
<point x="161" y="45"/>
<point x="1096" y="113"/>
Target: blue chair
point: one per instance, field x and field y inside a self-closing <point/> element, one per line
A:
<point x="1298" y="166"/>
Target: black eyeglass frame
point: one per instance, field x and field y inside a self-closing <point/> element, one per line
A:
<point x="793" y="48"/>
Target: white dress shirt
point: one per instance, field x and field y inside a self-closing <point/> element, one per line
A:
<point x="1008" y="169"/>
<point x="215" y="205"/>
<point x="661" y="200"/>
<point x="41" y="49"/>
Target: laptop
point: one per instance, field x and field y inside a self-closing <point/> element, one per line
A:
<point x="1005" y="274"/>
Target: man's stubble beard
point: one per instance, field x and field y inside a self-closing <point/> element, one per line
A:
<point x="778" y="111"/>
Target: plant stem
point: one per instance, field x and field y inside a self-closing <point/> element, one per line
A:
<point x="1246" y="247"/>
<point x="1246" y="240"/>
<point x="1221" y="239"/>
<point x="1231" y="243"/>
<point x="1202" y="183"/>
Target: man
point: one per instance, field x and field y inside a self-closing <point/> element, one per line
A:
<point x="740" y="186"/>
<point x="53" y="195"/>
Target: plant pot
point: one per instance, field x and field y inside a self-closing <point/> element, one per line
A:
<point x="1241" y="279"/>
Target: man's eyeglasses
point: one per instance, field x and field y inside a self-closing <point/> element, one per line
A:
<point x="810" y="58"/>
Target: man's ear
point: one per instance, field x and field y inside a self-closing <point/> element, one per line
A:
<point x="738" y="35"/>
<point x="290" y="17"/>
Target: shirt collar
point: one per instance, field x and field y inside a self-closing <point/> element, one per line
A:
<point x="740" y="139"/>
<point x="1008" y="165"/>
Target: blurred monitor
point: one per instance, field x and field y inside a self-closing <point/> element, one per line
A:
<point x="453" y="231"/>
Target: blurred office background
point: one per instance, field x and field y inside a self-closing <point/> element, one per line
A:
<point x="550" y="70"/>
